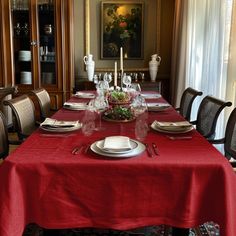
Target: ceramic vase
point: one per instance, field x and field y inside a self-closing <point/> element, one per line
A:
<point x="153" y="66"/>
<point x="90" y="66"/>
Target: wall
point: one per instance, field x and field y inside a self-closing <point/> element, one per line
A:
<point x="150" y="36"/>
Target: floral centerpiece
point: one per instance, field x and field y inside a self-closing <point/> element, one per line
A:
<point x="119" y="97"/>
<point x="120" y="109"/>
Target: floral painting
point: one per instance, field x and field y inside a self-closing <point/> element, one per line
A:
<point x="122" y="26"/>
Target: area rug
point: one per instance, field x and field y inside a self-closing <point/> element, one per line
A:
<point x="207" y="229"/>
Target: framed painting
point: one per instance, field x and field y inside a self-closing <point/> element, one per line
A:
<point x="122" y="26"/>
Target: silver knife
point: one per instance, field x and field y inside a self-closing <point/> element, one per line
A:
<point x="148" y="150"/>
<point x="154" y="146"/>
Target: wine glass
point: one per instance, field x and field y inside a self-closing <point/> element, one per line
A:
<point x="95" y="79"/>
<point x="139" y="105"/>
<point x="102" y="87"/>
<point x="107" y="78"/>
<point x="141" y="127"/>
<point x="127" y="81"/>
<point x="99" y="105"/>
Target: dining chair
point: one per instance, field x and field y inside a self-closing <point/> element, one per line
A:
<point x="4" y="145"/>
<point x="208" y="114"/>
<point x="7" y="93"/>
<point x="24" y="113"/>
<point x="44" y="101"/>
<point x="186" y="102"/>
<point x="229" y="139"/>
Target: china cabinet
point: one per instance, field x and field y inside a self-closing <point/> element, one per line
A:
<point x="37" y="46"/>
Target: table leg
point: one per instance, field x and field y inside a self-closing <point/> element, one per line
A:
<point x="180" y="231"/>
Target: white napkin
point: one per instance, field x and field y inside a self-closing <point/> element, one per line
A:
<point x="117" y="143"/>
<point x="177" y="125"/>
<point x="84" y="95"/>
<point x="150" y="95"/>
<point x="53" y="123"/>
<point x="75" y="105"/>
<point x="157" y="106"/>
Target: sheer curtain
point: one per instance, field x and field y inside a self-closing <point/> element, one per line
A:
<point x="231" y="78"/>
<point x="205" y="52"/>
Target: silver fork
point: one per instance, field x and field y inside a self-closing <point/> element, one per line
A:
<point x="149" y="151"/>
<point x="179" y="137"/>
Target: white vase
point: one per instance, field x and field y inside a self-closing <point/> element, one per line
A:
<point x="153" y="66"/>
<point x="90" y="66"/>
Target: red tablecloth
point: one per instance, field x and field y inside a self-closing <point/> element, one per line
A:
<point x="189" y="183"/>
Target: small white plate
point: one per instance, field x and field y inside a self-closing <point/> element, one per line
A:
<point x="100" y="145"/>
<point x="136" y="151"/>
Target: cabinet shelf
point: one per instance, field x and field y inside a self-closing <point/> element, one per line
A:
<point x="45" y="62"/>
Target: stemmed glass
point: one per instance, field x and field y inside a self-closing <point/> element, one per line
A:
<point x="102" y="87"/>
<point x="98" y="105"/>
<point x="139" y="105"/>
<point x="127" y="81"/>
<point x="107" y="78"/>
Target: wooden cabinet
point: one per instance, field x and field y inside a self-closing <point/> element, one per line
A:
<point x="37" y="46"/>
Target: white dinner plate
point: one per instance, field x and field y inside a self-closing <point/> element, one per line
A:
<point x="136" y="151"/>
<point x="182" y="131"/>
<point x="100" y="145"/>
<point x="60" y="129"/>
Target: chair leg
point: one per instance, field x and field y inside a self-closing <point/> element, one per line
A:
<point x="180" y="231"/>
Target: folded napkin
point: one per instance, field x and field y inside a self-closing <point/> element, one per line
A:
<point x="173" y="126"/>
<point x="157" y="106"/>
<point x="53" y="123"/>
<point x="150" y="95"/>
<point x="84" y="95"/>
<point x="117" y="143"/>
<point x="75" y="105"/>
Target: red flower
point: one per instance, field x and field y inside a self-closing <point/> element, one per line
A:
<point x="123" y="24"/>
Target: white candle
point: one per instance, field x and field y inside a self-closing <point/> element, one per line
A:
<point x="121" y="59"/>
<point x="115" y="75"/>
<point x="88" y="26"/>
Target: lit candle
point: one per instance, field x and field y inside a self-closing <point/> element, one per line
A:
<point x="121" y="59"/>
<point x="115" y="75"/>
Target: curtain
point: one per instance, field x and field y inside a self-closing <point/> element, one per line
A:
<point x="178" y="70"/>
<point x="231" y="78"/>
<point x="204" y="57"/>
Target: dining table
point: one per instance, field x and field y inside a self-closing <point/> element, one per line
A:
<point x="57" y="180"/>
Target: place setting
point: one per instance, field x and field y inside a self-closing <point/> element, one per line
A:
<point x="53" y="125"/>
<point x="176" y="127"/>
<point x="77" y="106"/>
<point x="151" y="95"/>
<point x="84" y="95"/>
<point x="118" y="147"/>
<point x="157" y="106"/>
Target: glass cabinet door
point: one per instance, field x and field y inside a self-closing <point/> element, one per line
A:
<point x="21" y="41"/>
<point x="46" y="21"/>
